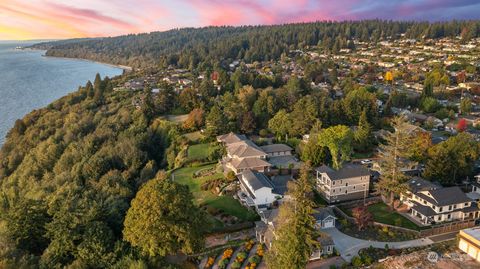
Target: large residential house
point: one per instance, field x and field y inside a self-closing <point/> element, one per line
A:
<point x="256" y="189"/>
<point x="242" y="154"/>
<point x="429" y="203"/>
<point x="350" y="182"/>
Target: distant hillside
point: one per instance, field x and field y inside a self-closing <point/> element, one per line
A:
<point x="204" y="47"/>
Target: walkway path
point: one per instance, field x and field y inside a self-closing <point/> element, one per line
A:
<point x="349" y="246"/>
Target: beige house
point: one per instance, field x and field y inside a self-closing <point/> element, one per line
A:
<point x="242" y="154"/>
<point x="350" y="182"/>
<point x="469" y="242"/>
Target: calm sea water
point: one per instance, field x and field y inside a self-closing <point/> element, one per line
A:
<point x="29" y="81"/>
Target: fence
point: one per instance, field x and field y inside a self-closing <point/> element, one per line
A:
<point x="448" y="227"/>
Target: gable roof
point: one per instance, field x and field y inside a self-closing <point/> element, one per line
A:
<point x="445" y="196"/>
<point x="256" y="180"/>
<point x="347" y="171"/>
<point x="245" y="148"/>
<point x="231" y="138"/>
<point x="276" y="148"/>
<point x="323" y="213"/>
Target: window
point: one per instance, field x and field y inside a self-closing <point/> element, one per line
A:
<point x="467" y="204"/>
<point x="346" y="184"/>
<point x="454" y="206"/>
<point x="333" y="190"/>
<point x="354" y="187"/>
<point x="333" y="183"/>
<point x="449" y="207"/>
<point x="449" y="216"/>
<point x="346" y="191"/>
<point x="440" y="209"/>
<point x="434" y="207"/>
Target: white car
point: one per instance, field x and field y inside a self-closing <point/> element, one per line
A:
<point x="367" y="161"/>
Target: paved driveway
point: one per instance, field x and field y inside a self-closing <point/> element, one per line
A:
<point x="349" y="246"/>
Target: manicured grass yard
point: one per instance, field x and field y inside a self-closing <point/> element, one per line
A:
<point x="226" y="203"/>
<point x="382" y="213"/>
<point x="198" y="152"/>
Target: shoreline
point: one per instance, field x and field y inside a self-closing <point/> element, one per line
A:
<point x="123" y="67"/>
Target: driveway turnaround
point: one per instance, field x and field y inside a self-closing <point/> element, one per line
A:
<point x="348" y="246"/>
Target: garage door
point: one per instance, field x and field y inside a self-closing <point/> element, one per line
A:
<point x="328" y="223"/>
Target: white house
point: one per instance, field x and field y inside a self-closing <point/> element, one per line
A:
<point x="256" y="189"/>
<point x="435" y="205"/>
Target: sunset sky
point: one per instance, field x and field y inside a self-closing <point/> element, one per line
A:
<point x="36" y="19"/>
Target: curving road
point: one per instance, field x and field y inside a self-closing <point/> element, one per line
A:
<point x="348" y="246"/>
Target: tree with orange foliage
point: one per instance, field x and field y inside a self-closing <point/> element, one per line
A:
<point x="195" y="119"/>
<point x="363" y="218"/>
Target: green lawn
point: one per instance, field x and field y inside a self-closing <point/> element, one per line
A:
<point x="382" y="213"/>
<point x="198" y="152"/>
<point x="225" y="203"/>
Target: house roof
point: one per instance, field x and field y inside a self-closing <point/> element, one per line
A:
<point x="231" y="138"/>
<point x="323" y="213"/>
<point x="347" y="171"/>
<point x="256" y="180"/>
<point x="417" y="184"/>
<point x="276" y="148"/>
<point x="249" y="163"/>
<point x="245" y="148"/>
<point x="424" y="210"/>
<point x="444" y="196"/>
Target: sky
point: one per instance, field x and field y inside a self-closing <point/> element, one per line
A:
<point x="57" y="19"/>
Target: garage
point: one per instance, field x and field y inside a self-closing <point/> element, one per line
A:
<point x="329" y="222"/>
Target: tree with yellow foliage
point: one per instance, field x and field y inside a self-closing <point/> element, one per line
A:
<point x="389" y="77"/>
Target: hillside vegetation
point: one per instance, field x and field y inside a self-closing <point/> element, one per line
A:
<point x="204" y="47"/>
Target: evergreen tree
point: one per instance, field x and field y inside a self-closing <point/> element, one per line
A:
<point x="393" y="157"/>
<point x="99" y="89"/>
<point x="216" y="123"/>
<point x="89" y="89"/>
<point x="295" y="238"/>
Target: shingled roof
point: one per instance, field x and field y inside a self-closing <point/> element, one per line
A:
<point x="347" y="171"/>
<point x="445" y="196"/>
<point x="245" y="149"/>
<point x="231" y="138"/>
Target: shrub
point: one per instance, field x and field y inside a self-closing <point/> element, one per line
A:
<point x="263" y="132"/>
<point x="254" y="259"/>
<point x="241" y="256"/>
<point x="333" y="266"/>
<point x="210" y="262"/>
<point x="236" y="265"/>
<point x="356" y="261"/>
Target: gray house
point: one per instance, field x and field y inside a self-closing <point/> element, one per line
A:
<point x="350" y="182"/>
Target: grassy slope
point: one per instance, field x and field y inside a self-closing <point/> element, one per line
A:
<point x="198" y="152"/>
<point x="226" y="203"/>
